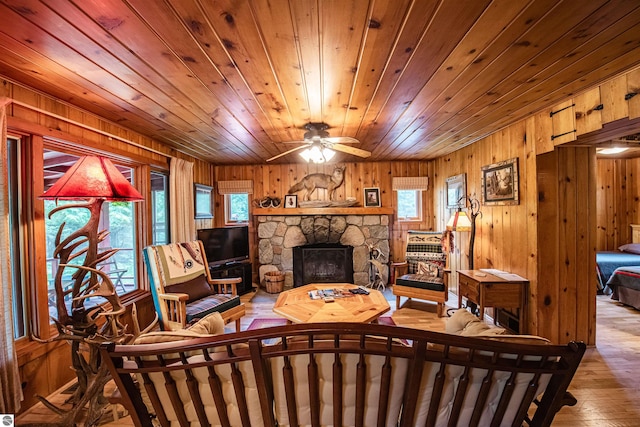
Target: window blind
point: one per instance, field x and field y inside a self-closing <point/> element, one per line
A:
<point x="410" y="183"/>
<point x="235" y="187"/>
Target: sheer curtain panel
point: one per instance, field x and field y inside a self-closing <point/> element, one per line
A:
<point x="181" y="205"/>
<point x="10" y="390"/>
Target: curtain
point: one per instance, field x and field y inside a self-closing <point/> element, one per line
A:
<point x="181" y="203"/>
<point x="10" y="390"/>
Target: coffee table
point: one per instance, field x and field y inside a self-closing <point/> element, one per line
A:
<point x="296" y="305"/>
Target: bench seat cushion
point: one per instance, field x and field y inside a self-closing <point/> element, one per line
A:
<point x="421" y="281"/>
<point x="210" y="304"/>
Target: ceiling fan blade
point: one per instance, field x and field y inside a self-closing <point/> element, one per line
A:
<point x="341" y="140"/>
<point x="288" y="152"/>
<point x="351" y="150"/>
<point x="296" y="142"/>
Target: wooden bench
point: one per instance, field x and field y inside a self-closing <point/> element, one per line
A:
<point x="343" y="374"/>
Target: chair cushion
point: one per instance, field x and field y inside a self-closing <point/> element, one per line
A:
<point x="210" y="304"/>
<point x="197" y="288"/>
<point x="421" y="281"/>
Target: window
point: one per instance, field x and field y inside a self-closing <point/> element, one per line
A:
<point x="409" y="205"/>
<point x="236" y="207"/>
<point x="160" y="208"/>
<point x="19" y="293"/>
<point x="33" y="165"/>
<point x="118" y="218"/>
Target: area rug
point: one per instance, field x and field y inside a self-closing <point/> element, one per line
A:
<point x="276" y="321"/>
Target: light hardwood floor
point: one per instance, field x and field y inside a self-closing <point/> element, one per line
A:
<point x="606" y="384"/>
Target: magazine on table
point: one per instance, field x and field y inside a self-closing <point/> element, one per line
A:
<point x="329" y="293"/>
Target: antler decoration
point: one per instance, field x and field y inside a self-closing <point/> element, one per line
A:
<point x="85" y="329"/>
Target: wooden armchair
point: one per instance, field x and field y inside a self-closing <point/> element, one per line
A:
<point x="183" y="289"/>
<point x="422" y="276"/>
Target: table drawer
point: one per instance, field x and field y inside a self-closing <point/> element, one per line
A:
<point x="470" y="294"/>
<point x="469" y="284"/>
<point x="469" y="288"/>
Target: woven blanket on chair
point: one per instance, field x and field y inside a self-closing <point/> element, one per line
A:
<point x="179" y="262"/>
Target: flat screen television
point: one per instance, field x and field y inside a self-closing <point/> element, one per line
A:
<point x="225" y="245"/>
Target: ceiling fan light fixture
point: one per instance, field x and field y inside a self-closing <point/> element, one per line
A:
<point x="316" y="153"/>
<point x="328" y="153"/>
<point x="319" y="147"/>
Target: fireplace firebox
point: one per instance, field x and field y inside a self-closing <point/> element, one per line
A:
<point x="322" y="263"/>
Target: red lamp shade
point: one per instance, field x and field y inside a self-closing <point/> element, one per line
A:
<point x="93" y="177"/>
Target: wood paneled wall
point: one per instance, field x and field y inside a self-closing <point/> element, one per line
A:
<point x="618" y="201"/>
<point x="506" y="235"/>
<point x="566" y="238"/>
<point x="275" y="181"/>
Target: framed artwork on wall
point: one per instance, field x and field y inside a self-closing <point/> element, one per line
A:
<point x="372" y="197"/>
<point x="500" y="183"/>
<point x="203" y="201"/>
<point x="456" y="189"/>
<point x="291" y="201"/>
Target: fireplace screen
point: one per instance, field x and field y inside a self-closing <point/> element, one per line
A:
<point x="322" y="263"/>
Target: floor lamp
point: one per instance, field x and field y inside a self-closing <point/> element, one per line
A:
<point x="466" y="221"/>
<point x="91" y="181"/>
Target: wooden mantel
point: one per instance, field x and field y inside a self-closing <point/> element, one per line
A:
<point x="322" y="211"/>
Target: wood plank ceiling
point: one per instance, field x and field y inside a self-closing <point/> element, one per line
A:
<point x="229" y="81"/>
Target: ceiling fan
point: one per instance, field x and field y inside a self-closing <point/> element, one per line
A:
<point x="319" y="147"/>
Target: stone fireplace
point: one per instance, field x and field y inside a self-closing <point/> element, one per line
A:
<point x="279" y="235"/>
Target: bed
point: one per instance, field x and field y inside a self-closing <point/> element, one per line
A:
<point x="619" y="272"/>
<point x="625" y="285"/>
<point x="608" y="262"/>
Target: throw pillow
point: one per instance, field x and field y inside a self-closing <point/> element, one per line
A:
<point x="197" y="288"/>
<point x="632" y="248"/>
<point x="459" y="320"/>
<point x="430" y="268"/>
<point x="479" y="329"/>
<point x="211" y="324"/>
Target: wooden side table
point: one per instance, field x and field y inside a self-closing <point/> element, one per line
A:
<point x="296" y="305"/>
<point x="489" y="290"/>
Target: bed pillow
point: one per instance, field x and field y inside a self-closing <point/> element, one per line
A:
<point x="632" y="248"/>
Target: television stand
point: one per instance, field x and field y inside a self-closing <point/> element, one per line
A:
<point x="240" y="269"/>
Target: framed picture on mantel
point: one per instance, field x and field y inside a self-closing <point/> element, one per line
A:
<point x="372" y="197"/>
<point x="290" y="201"/>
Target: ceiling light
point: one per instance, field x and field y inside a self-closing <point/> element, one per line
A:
<point x="612" y="150"/>
<point x="316" y="153"/>
<point x="328" y="153"/>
